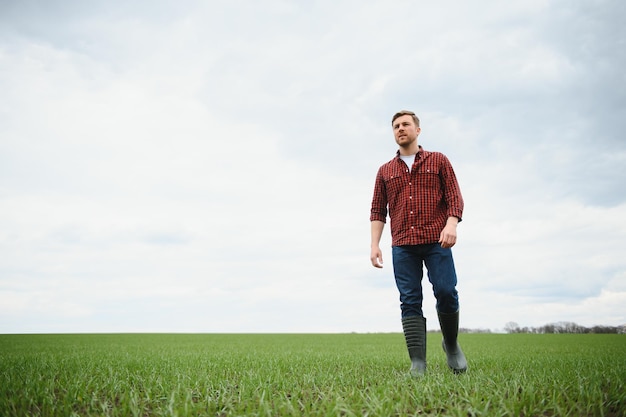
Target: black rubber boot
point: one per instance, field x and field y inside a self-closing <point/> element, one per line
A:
<point x="450" y="329"/>
<point x="415" y="335"/>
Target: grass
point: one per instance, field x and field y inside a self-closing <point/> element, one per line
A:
<point x="308" y="375"/>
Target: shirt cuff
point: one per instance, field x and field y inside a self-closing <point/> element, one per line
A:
<point x="456" y="213"/>
<point x="378" y="217"/>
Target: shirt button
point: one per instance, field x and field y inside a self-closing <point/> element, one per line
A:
<point x="410" y="184"/>
<point x="410" y="197"/>
<point x="411" y="212"/>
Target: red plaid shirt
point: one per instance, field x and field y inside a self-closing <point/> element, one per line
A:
<point x="419" y="201"/>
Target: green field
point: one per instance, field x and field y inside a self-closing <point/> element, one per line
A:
<point x="308" y="375"/>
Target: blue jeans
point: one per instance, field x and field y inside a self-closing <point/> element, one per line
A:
<point x="408" y="269"/>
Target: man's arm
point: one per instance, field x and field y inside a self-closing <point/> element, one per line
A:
<point x="452" y="191"/>
<point x="454" y="202"/>
<point x="376" y="255"/>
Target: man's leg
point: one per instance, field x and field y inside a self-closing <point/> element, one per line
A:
<point x="442" y="275"/>
<point x="408" y="272"/>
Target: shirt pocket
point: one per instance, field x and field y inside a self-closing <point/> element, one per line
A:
<point x="428" y="178"/>
<point x="393" y="182"/>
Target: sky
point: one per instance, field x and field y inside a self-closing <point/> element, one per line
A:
<point x="208" y="166"/>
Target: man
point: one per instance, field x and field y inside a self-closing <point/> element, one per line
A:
<point x="420" y="192"/>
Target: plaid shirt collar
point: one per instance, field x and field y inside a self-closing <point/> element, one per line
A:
<point x="420" y="153"/>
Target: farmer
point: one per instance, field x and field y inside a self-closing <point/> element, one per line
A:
<point x="420" y="192"/>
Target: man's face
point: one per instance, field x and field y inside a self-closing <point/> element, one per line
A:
<point x="405" y="131"/>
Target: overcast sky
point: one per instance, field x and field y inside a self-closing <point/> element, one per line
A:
<point x="208" y="166"/>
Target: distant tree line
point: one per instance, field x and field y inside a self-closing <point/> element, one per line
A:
<point x="465" y="330"/>
<point x="563" y="327"/>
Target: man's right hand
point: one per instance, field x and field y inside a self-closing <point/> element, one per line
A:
<point x="376" y="257"/>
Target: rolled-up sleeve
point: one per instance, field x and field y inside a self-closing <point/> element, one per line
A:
<point x="452" y="192"/>
<point x="379" y="200"/>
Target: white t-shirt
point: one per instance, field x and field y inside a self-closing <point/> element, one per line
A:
<point x="408" y="160"/>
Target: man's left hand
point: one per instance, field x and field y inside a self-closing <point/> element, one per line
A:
<point x="447" y="237"/>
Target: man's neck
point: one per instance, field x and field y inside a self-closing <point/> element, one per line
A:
<point x="409" y="150"/>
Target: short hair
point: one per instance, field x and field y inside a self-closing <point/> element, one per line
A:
<point x="416" y="119"/>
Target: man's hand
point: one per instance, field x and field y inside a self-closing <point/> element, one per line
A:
<point x="376" y="257"/>
<point x="447" y="237"/>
